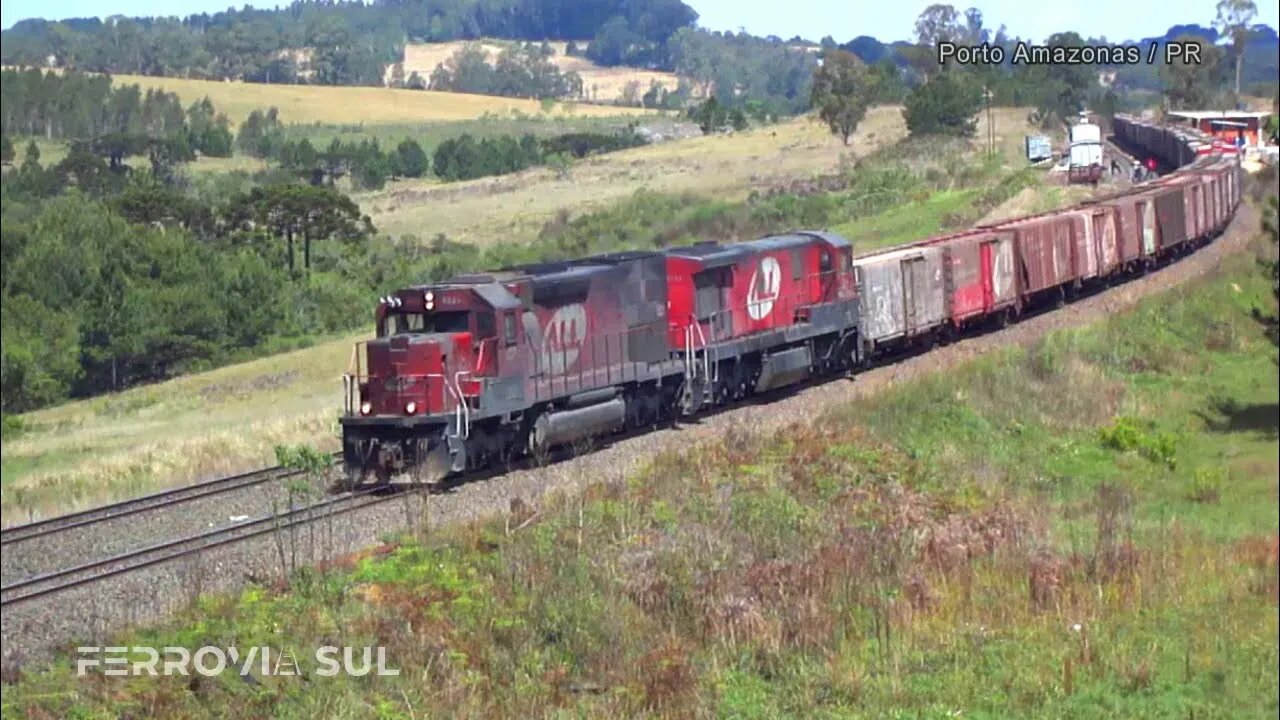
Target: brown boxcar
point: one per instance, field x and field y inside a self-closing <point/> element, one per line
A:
<point x="1212" y="182"/>
<point x="1170" y="215"/>
<point x="1044" y="255"/>
<point x="979" y="273"/>
<point x="1096" y="241"/>
<point x="1134" y="219"/>
<point x="1189" y="189"/>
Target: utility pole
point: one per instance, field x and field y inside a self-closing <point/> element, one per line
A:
<point x="991" y="129"/>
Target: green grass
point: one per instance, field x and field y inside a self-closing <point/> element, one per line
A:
<point x="910" y="221"/>
<point x="1083" y="528"/>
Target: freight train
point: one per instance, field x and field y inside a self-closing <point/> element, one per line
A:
<point x="482" y="369"/>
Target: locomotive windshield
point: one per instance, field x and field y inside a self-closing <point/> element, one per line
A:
<point x="410" y="323"/>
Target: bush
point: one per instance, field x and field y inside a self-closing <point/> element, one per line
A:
<point x="945" y="105"/>
<point x="411" y="161"/>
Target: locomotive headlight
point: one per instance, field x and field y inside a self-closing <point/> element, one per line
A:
<point x="366" y="408"/>
<point x="429" y="299"/>
<point x="411" y="408"/>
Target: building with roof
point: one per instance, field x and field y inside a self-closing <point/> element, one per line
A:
<point x="1230" y="125"/>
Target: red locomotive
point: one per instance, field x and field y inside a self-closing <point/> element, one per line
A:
<point x="483" y="368"/>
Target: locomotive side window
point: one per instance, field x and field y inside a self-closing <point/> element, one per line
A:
<point x="708" y="291"/>
<point x="509" y="328"/>
<point x="824" y="262"/>
<point x="485" y="326"/>
<point x="797" y="264"/>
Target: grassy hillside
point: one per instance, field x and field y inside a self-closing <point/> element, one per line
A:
<point x="340" y="105"/>
<point x="1084" y="528"/>
<point x="728" y="167"/>
<point x="720" y="167"/>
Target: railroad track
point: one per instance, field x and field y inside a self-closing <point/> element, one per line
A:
<point x="165" y="499"/>
<point x="42" y="586"/>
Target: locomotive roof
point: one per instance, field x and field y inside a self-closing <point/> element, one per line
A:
<point x="795" y="238"/>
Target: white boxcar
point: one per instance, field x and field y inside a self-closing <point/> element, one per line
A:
<point x="901" y="292"/>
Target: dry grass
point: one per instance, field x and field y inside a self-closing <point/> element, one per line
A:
<point x="492" y="210"/>
<point x="602" y="84"/>
<point x="169" y="434"/>
<point x="1039" y="198"/>
<point x="348" y="105"/>
<point x="1011" y="128"/>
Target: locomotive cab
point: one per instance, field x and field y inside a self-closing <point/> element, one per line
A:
<point x="438" y="354"/>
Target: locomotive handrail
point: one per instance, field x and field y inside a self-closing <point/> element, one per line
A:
<point x="464" y="421"/>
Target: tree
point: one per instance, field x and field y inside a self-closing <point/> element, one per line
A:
<point x="300" y="212"/>
<point x="1061" y="89"/>
<point x="840" y="91"/>
<point x="40" y="356"/>
<point x="945" y="105"/>
<point x="1193" y="85"/>
<point x="1233" y="19"/>
<point x="411" y="161"/>
<point x="6" y="150"/>
<point x="370" y="167"/>
<point x="938" y="23"/>
<point x="613" y="44"/>
<point x="710" y="115"/>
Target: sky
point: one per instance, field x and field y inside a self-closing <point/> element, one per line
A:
<point x="841" y="19"/>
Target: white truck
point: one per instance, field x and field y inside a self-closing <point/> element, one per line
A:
<point x="1084" y="153"/>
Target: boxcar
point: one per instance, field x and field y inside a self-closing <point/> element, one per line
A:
<point x="1134" y="219"/>
<point x="1191" y="192"/>
<point x="1170" y="215"/>
<point x="901" y="292"/>
<point x="1101" y="236"/>
<point x="979" y="275"/>
<point x="1045" y="246"/>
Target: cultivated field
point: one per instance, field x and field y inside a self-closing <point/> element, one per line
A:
<point x="601" y="84"/>
<point x="348" y="105"/>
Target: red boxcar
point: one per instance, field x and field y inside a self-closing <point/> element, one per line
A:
<point x="1193" y="222"/>
<point x="979" y="273"/>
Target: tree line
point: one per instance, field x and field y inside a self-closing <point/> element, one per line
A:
<point x="347" y="42"/>
<point x="77" y="106"/>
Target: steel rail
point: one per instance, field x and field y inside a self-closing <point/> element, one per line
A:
<point x="61" y="580"/>
<point x="143" y="503"/>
